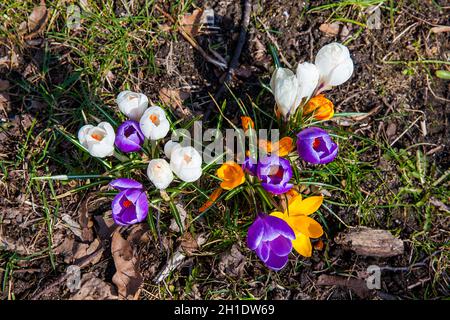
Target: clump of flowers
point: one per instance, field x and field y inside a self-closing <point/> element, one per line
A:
<point x="145" y="124"/>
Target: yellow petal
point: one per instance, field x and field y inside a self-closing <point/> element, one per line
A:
<point x="284" y="146"/>
<point x="278" y="214"/>
<point x="302" y="245"/>
<point x="306" y="206"/>
<point x="306" y="226"/>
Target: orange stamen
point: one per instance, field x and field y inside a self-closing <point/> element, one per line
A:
<point x="127" y="203"/>
<point x="154" y="118"/>
<point x="97" y="136"/>
<point x="316" y="143"/>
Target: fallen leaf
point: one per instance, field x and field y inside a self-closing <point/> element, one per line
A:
<point x="85" y="221"/>
<point x="391" y="129"/>
<point x="357" y="285"/>
<point x="232" y="263"/>
<point x="93" y="288"/>
<point x="440" y="29"/>
<point x="72" y="225"/>
<point x="174" y="98"/>
<point x="192" y="23"/>
<point x="188" y="243"/>
<point x="370" y="242"/>
<point x="334" y="29"/>
<point x="439" y="205"/>
<point x="36" y="23"/>
<point x="127" y="277"/>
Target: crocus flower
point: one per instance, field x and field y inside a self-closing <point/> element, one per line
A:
<point x="231" y="174"/>
<point x="154" y="124"/>
<point x="320" y="107"/>
<point x="286" y="90"/>
<point x="271" y="238"/>
<point x="186" y="163"/>
<point x="280" y="148"/>
<point x="129" y="137"/>
<point x="247" y="123"/>
<point x="274" y="173"/>
<point x="99" y="140"/>
<point x="250" y="165"/>
<point x="169" y="147"/>
<point x="130" y="205"/>
<point x="334" y="64"/>
<point x="289" y="89"/>
<point x="296" y="216"/>
<point x="314" y="145"/>
<point x="308" y="78"/>
<point x="132" y="104"/>
<point x="159" y="173"/>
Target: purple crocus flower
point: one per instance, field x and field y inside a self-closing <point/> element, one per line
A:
<point x="271" y="238"/>
<point x="130" y="206"/>
<point x="249" y="166"/>
<point x="129" y="137"/>
<point x="314" y="145"/>
<point x="274" y="173"/>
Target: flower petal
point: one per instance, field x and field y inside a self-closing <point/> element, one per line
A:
<point x="276" y="262"/>
<point x="281" y="246"/>
<point x="125" y="183"/>
<point x="302" y="245"/>
<point x="306" y="226"/>
<point x="255" y="234"/>
<point x="273" y="227"/>
<point x="263" y="251"/>
<point x="304" y="207"/>
<point x="141" y="207"/>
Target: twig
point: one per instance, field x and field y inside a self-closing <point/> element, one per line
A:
<point x="275" y="43"/>
<point x="192" y="41"/>
<point x="235" y="60"/>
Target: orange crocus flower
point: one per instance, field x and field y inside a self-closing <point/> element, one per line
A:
<point x="281" y="148"/>
<point x="231" y="174"/>
<point x="247" y="123"/>
<point x="321" y="107"/>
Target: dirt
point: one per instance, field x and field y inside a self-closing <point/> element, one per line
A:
<point x="402" y="97"/>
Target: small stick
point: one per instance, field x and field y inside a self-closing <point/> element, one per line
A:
<point x="235" y="60"/>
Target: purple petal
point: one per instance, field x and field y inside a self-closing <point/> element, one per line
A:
<point x="129" y="137"/>
<point x="250" y="166"/>
<point x="255" y="234"/>
<point x="128" y="216"/>
<point x="263" y="251"/>
<point x="331" y="156"/>
<point x="276" y="262"/>
<point x="323" y="153"/>
<point x="281" y="246"/>
<point x="275" y="227"/>
<point x="125" y="183"/>
<point x="116" y="204"/>
<point x="141" y="207"/>
<point x="311" y="133"/>
<point x="277" y="188"/>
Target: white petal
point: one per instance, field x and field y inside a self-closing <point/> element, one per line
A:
<point x="341" y="73"/>
<point x="308" y="78"/>
<point x="132" y="104"/>
<point x="169" y="147"/>
<point x="159" y="173"/>
<point x="285" y="89"/>
<point x="101" y="149"/>
<point x="110" y="134"/>
<point x="190" y="174"/>
<point x="83" y="132"/>
<point x="328" y="61"/>
<point x="154" y="130"/>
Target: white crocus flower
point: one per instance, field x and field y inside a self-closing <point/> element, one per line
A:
<point x="334" y="64"/>
<point x="286" y="90"/>
<point x="98" y="140"/>
<point x="132" y="104"/>
<point x="159" y="173"/>
<point x="186" y="163"/>
<point x="308" y="79"/>
<point x="169" y="147"/>
<point x="154" y="124"/>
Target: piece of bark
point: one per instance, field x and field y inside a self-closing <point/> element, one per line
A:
<point x="370" y="242"/>
<point x="357" y="285"/>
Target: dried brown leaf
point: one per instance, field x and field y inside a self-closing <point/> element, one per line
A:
<point x="36" y="23"/>
<point x="357" y="285"/>
<point x="192" y="23"/>
<point x="188" y="243"/>
<point x="85" y="221"/>
<point x="174" y="98"/>
<point x="232" y="263"/>
<point x="127" y="277"/>
<point x="93" y="288"/>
